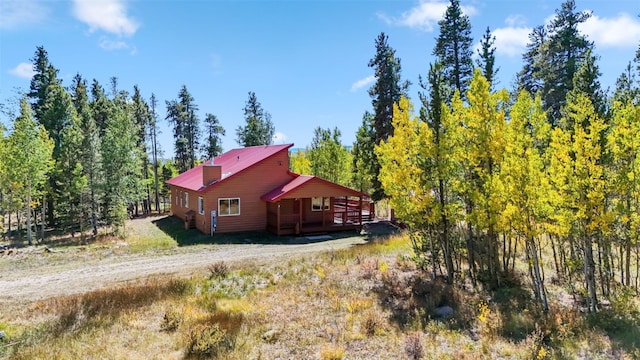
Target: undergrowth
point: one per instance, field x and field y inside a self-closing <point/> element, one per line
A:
<point x="369" y="301"/>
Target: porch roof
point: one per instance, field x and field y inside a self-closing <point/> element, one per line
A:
<point x="303" y="182"/>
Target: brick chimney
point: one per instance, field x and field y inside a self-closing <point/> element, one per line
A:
<point x="211" y="173"/>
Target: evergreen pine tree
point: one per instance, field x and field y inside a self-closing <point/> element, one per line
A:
<point x="486" y="57"/>
<point x="181" y="114"/>
<point x="454" y="48"/>
<point x="387" y="91"/>
<point x="259" y="129"/>
<point x="213" y="143"/>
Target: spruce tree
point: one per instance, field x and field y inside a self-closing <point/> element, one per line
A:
<point x="213" y="143"/>
<point x="487" y="59"/>
<point x="454" y="48"/>
<point x="553" y="58"/>
<point x="387" y="91"/>
<point x="362" y="152"/>
<point x="153" y="136"/>
<point x="259" y="129"/>
<point x="89" y="153"/>
<point x="142" y="119"/>
<point x="181" y="114"/>
<point x="121" y="163"/>
<point x="530" y="77"/>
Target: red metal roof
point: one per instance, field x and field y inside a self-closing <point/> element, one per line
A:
<point x="232" y="163"/>
<point x="298" y="182"/>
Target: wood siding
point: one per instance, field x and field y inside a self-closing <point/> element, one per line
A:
<point x="248" y="186"/>
<point x="178" y="207"/>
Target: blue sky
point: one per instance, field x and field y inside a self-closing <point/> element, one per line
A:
<point x="305" y="60"/>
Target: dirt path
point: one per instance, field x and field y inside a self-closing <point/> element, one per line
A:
<point x="37" y="283"/>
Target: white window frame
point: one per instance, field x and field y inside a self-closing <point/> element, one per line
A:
<point x="316" y="203"/>
<point x="228" y="206"/>
<point x="200" y="205"/>
<point x="186" y="199"/>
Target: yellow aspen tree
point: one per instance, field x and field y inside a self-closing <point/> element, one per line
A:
<point x="483" y="125"/>
<point x="560" y="222"/>
<point x="587" y="185"/>
<point x="442" y="172"/>
<point x="299" y="162"/>
<point x="623" y="146"/>
<point x="401" y="175"/>
<point x="525" y="183"/>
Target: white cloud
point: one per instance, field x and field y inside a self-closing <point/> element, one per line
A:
<point x="109" y="44"/>
<point x="279" y="138"/>
<point x="424" y="16"/>
<point x="621" y="31"/>
<point x="515" y="20"/>
<point x="362" y="83"/>
<point x="23" y="70"/>
<point x="107" y="15"/>
<point x="19" y="13"/>
<point x="511" y="41"/>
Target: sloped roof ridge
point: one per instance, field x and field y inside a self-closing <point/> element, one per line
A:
<point x="232" y="162"/>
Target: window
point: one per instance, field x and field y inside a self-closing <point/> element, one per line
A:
<point x="228" y="207"/>
<point x="186" y="199"/>
<point x="316" y="203"/>
<point x="200" y="205"/>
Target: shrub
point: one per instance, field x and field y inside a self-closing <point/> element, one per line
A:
<point x="171" y="320"/>
<point x="413" y="346"/>
<point x="219" y="269"/>
<point x="207" y="341"/>
<point x="369" y="268"/>
<point x="332" y="352"/>
<point x="372" y="323"/>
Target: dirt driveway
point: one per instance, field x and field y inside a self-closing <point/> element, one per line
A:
<point x="21" y="285"/>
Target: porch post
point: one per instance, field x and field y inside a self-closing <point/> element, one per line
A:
<point x="360" y="210"/>
<point x="345" y="214"/>
<point x="300" y="213"/>
<point x="278" y="219"/>
<point x="323" y="213"/>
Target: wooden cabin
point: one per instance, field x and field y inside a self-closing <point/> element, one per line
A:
<point x="251" y="189"/>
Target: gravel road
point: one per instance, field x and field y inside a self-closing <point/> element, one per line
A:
<point x="76" y="277"/>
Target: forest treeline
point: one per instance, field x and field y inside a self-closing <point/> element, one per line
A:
<point x="477" y="173"/>
<point x="547" y="172"/>
<point x="79" y="158"/>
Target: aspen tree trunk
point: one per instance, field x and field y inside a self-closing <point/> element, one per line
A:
<point x="29" y="232"/>
<point x="433" y="256"/>
<point x="555" y="258"/>
<point x="43" y="218"/>
<point x="94" y="213"/>
<point x="589" y="273"/>
<point x="627" y="263"/>
<point x="446" y="241"/>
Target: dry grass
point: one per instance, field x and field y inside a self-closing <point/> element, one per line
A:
<point x="365" y="302"/>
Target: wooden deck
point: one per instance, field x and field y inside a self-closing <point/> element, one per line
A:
<point x="343" y="217"/>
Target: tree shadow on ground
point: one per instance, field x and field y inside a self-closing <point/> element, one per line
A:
<point x="174" y="228"/>
<point x="415" y="299"/>
<point x="621" y="327"/>
<point x="518" y="311"/>
<point x="53" y="239"/>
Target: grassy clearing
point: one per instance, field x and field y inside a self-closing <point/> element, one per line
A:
<point x="365" y="302"/>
